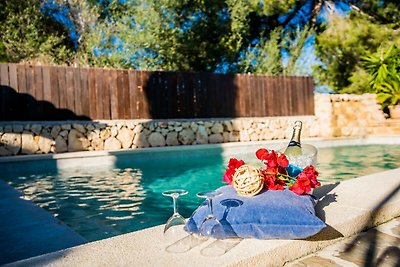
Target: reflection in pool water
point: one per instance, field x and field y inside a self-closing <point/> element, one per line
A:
<point x="103" y="202"/>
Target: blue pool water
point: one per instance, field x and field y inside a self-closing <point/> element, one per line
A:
<point x="105" y="201"/>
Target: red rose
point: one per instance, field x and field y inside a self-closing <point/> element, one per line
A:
<point x="262" y="154"/>
<point x="283" y="161"/>
<point x="302" y="185"/>
<point x="312" y="175"/>
<point x="232" y="166"/>
<point x="234" y="163"/>
<point x="228" y="175"/>
<point x="272" y="159"/>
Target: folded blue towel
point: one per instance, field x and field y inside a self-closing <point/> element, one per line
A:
<point x="268" y="215"/>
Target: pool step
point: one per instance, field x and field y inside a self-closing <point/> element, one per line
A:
<point x="387" y="127"/>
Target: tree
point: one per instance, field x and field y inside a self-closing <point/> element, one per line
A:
<point x="344" y="41"/>
<point x="180" y="35"/>
<point x="27" y="34"/>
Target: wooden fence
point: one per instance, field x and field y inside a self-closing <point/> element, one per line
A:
<point x="68" y="93"/>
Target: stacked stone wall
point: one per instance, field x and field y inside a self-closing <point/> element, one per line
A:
<point x="335" y="115"/>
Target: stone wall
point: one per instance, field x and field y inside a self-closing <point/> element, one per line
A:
<point x="335" y="115"/>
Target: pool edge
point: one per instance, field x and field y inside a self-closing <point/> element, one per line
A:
<point x="319" y="142"/>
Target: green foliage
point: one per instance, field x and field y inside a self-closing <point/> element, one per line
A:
<point x="388" y="93"/>
<point x="384" y="68"/>
<point x="341" y="47"/>
<point x="27" y="35"/>
<point x="180" y="35"/>
<point x="343" y="42"/>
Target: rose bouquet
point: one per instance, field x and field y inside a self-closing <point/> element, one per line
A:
<point x="277" y="173"/>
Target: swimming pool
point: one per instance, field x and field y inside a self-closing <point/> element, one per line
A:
<point x="99" y="199"/>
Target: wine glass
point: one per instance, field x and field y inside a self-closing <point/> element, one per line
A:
<point x="174" y="228"/>
<point x="211" y="226"/>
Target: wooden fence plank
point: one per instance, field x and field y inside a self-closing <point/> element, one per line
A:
<point x="92" y="94"/>
<point x="149" y="84"/>
<point x="283" y="97"/>
<point x="143" y="87"/>
<point x="172" y="95"/>
<point x="162" y="92"/>
<point x="4" y="78"/>
<point x="197" y="95"/>
<point x="125" y="88"/>
<point x="55" y="107"/>
<point x="84" y="82"/>
<point x="13" y="76"/>
<point x="254" y="97"/>
<point x="22" y="96"/>
<point x="309" y="103"/>
<point x="212" y="95"/>
<point x="54" y="87"/>
<point x="31" y="100"/>
<point x="46" y="83"/>
<point x="120" y="94"/>
<point x="106" y="95"/>
<point x="76" y="76"/>
<point x="299" y="95"/>
<point x="114" y="95"/>
<point x="38" y="89"/>
<point x="240" y="96"/>
<point x="236" y="102"/>
<point x="70" y="90"/>
<point x="188" y="95"/>
<point x="265" y="97"/>
<point x="13" y="105"/>
<point x="247" y="95"/>
<point x="5" y="92"/>
<point x="21" y="76"/>
<point x="134" y="112"/>
<point x="272" y="110"/>
<point x="99" y="91"/>
<point x="62" y="87"/>
<point x="46" y="73"/>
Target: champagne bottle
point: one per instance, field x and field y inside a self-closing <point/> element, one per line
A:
<point x="294" y="146"/>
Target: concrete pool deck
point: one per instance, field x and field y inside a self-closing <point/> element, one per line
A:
<point x="348" y="207"/>
<point x="379" y="246"/>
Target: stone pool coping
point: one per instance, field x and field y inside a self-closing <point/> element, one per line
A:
<point x="348" y="208"/>
<point x="226" y="148"/>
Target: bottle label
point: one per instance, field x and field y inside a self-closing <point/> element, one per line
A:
<point x="294" y="143"/>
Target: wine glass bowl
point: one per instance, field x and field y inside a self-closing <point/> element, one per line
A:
<point x="174" y="228"/>
<point x="211" y="226"/>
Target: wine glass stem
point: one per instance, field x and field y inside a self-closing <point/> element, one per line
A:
<point x="175" y="202"/>
<point x="210" y="206"/>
